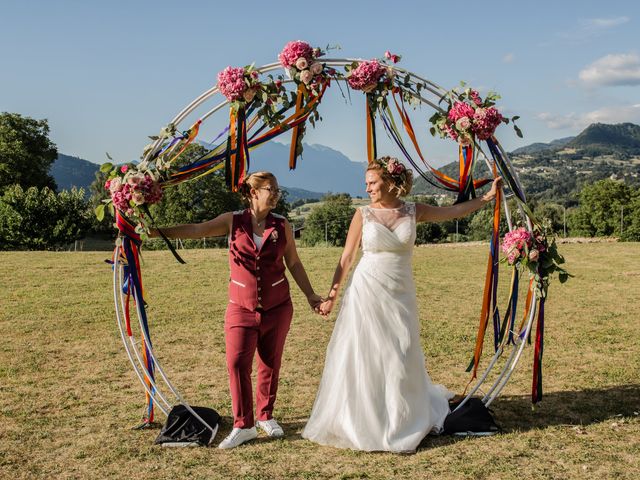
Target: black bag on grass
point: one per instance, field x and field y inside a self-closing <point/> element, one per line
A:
<point x="183" y="429"/>
<point x="473" y="418"/>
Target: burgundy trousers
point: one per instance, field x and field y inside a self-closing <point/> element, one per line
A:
<point x="245" y="332"/>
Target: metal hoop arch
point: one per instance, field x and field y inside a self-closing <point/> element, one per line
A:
<point x="437" y="93"/>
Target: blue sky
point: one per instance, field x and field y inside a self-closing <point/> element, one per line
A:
<point x="107" y="74"/>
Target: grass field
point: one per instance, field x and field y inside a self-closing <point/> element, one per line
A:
<point x="68" y="395"/>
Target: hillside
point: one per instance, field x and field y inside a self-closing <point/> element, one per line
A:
<point x="556" y="171"/>
<point x="71" y="172"/>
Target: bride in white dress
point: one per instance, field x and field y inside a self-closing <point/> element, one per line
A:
<point x="375" y="393"/>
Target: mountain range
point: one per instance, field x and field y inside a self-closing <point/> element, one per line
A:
<point x="553" y="170"/>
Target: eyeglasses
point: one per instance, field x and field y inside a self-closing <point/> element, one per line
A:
<point x="272" y="191"/>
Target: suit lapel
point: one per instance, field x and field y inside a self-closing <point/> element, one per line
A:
<point x="268" y="229"/>
<point x="246" y="226"/>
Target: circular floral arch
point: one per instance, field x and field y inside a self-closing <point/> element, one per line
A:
<point x="267" y="101"/>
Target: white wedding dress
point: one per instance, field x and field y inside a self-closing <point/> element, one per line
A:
<point x="375" y="393"/>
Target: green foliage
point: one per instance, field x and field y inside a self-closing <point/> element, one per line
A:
<point x="329" y="222"/>
<point x="600" y="207"/>
<point x="429" y="233"/>
<point x="40" y="219"/>
<point x="26" y="153"/>
<point x="550" y="214"/>
<point x="631" y="231"/>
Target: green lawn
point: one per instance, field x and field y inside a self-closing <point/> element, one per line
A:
<point x="68" y="395"/>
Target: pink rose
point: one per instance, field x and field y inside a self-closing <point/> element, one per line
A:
<point x="302" y="63"/>
<point x="390" y="56"/>
<point x="475" y="97"/>
<point x="106" y="184"/>
<point x="316" y="68"/>
<point x="306" y="76"/>
<point x="249" y="94"/>
<point x="124" y="168"/>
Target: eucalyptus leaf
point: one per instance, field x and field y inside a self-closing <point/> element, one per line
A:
<point x="106" y="167"/>
<point x="99" y="211"/>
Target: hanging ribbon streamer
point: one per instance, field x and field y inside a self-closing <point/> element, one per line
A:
<point x="372" y="149"/>
<point x="216" y="158"/>
<point x="489" y="307"/>
<point x="298" y="131"/>
<point x="466" y="189"/>
<point x="133" y="288"/>
<point x="237" y="152"/>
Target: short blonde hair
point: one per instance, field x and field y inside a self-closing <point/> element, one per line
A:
<point x="255" y="180"/>
<point x="400" y="183"/>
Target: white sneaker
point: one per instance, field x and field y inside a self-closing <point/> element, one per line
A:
<point x="238" y="436"/>
<point x="271" y="427"/>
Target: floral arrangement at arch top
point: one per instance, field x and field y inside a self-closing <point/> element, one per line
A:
<point x="300" y="60"/>
<point x="369" y="75"/>
<point x="243" y="88"/>
<point x="469" y="117"/>
<point x="534" y="253"/>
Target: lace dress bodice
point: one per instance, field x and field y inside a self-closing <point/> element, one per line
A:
<point x="389" y="229"/>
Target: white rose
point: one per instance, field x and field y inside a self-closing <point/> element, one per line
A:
<point x="302" y="63"/>
<point x="115" y="185"/>
<point x="316" y="68"/>
<point x="306" y="76"/>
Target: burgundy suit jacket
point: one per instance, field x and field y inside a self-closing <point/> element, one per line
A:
<point x="257" y="275"/>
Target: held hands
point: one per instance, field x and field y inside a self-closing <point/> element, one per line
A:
<point x="495" y="186"/>
<point x="326" y="307"/>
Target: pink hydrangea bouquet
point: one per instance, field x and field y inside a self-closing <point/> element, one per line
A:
<point x="469" y="117"/>
<point x="366" y="75"/>
<point x="242" y="87"/>
<point x="239" y="84"/>
<point x="301" y="62"/>
<point x="533" y="252"/>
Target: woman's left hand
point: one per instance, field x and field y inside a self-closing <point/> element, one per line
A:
<point x="495" y="186"/>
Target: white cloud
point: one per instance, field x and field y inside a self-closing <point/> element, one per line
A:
<point x="613" y="69"/>
<point x="603" y="23"/>
<point x="576" y="122"/>
<point x="589" y="28"/>
<point x="508" y="58"/>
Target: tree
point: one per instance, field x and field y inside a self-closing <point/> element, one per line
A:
<point x="40" y="219"/>
<point x="631" y="232"/>
<point x="600" y="207"/>
<point x="550" y="214"/>
<point x="427" y="232"/>
<point x="26" y="153"/>
<point x="330" y="221"/>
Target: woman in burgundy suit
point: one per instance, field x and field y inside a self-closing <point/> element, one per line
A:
<point x="259" y="311"/>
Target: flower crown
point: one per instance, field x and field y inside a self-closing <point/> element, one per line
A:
<point x="397" y="172"/>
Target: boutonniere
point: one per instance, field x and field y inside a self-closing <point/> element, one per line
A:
<point x="274" y="235"/>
